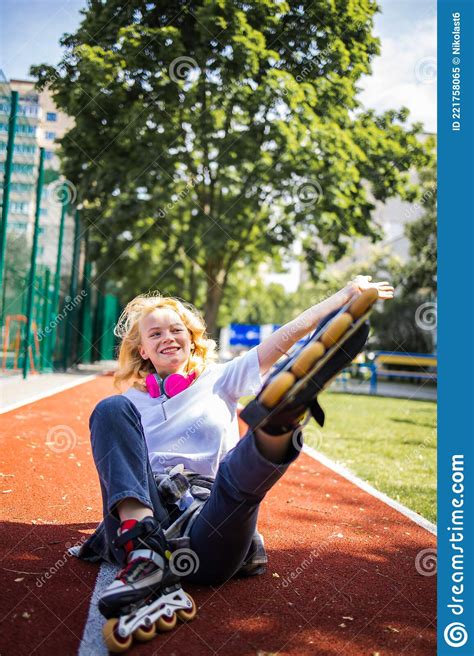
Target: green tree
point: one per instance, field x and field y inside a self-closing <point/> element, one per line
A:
<point x="394" y="323"/>
<point x="399" y="326"/>
<point x="17" y="262"/>
<point x="215" y="132"/>
<point x="421" y="271"/>
<point x="254" y="301"/>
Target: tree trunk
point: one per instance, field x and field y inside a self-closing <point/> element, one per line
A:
<point x="213" y="301"/>
<point x="192" y="283"/>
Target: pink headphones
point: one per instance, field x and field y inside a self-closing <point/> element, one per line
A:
<point x="169" y="386"/>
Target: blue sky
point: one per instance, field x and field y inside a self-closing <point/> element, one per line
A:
<point x="404" y="74"/>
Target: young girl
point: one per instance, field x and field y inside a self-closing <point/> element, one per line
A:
<point x="181" y="410"/>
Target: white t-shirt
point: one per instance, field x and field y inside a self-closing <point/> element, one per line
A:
<point x="198" y="426"/>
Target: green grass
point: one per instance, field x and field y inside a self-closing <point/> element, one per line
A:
<point x="391" y="443"/>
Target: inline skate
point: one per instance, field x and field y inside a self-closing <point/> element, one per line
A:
<point x="146" y="596"/>
<point x="293" y="387"/>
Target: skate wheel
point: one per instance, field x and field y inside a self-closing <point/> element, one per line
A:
<point x="113" y="641"/>
<point x="306" y="359"/>
<point x="143" y="634"/>
<point x="336" y="329"/>
<point x="186" y="615"/>
<point x="277" y="389"/>
<point x="165" y="623"/>
<point x="363" y="302"/>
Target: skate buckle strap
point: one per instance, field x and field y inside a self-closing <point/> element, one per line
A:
<point x="148" y="554"/>
<point x="128" y="535"/>
<point x="317" y="411"/>
<point x="143" y="530"/>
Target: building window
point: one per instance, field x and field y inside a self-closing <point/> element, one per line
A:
<point x="21" y="187"/>
<point x="18" y="225"/>
<point x="51" y="116"/>
<point x="22" y="168"/>
<point x="19" y="208"/>
<point x="26" y="148"/>
<point x="19" y="148"/>
<point x="20" y="129"/>
<point x="51" y="135"/>
<point x="48" y="154"/>
<point x="28" y="110"/>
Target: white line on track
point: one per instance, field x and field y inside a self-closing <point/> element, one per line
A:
<point x="92" y="642"/>
<point x="44" y="395"/>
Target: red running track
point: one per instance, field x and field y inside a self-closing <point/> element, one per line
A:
<point x="341" y="578"/>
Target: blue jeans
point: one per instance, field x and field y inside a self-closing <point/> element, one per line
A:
<point x="223" y="531"/>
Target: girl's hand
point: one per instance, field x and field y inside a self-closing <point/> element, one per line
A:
<point x="384" y="289"/>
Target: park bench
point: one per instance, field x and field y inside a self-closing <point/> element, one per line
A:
<point x="392" y="364"/>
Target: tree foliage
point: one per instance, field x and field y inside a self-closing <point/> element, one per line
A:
<point x="421" y="271"/>
<point x="17" y="261"/>
<point x="212" y="133"/>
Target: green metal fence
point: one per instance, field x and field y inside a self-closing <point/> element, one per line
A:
<point x="52" y="316"/>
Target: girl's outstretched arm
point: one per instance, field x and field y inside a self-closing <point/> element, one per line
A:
<point x="279" y="342"/>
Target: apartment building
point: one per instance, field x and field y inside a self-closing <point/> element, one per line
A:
<point x="39" y="124"/>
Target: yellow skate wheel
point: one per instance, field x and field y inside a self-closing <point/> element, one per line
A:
<point x="143" y="634"/>
<point x="307" y="358"/>
<point x="276" y="389"/>
<point x="187" y="615"/>
<point x="115" y="643"/>
<point x="336" y="329"/>
<point x="363" y="302"/>
<point x="165" y="623"/>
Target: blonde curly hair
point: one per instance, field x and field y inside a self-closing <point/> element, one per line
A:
<point x="132" y="368"/>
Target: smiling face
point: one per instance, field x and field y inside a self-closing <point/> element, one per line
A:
<point x="165" y="341"/>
